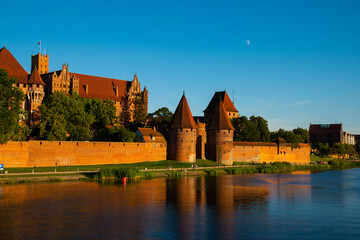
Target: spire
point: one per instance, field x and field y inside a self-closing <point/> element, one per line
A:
<point x="35" y="78"/>
<point x="220" y="119"/>
<point x="182" y="117"/>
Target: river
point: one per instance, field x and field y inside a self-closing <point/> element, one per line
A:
<point x="301" y="205"/>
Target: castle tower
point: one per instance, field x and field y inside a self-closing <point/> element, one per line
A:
<point x="231" y="111"/>
<point x="220" y="136"/>
<point x="182" y="134"/>
<point x="34" y="97"/>
<point x="200" y="140"/>
<point x="40" y="62"/>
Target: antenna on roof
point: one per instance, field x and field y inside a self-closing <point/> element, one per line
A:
<point x="183" y="92"/>
<point x="5" y="45"/>
<point x="233" y="97"/>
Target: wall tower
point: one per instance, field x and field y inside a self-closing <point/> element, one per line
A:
<point x="182" y="134"/>
<point x="220" y="136"/>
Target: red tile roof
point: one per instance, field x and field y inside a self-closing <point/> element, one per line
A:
<point x="224" y="97"/>
<point x="149" y="133"/>
<point x="182" y="117"/>
<point x="35" y="78"/>
<point x="12" y="66"/>
<point x="101" y="87"/>
<point x="220" y="119"/>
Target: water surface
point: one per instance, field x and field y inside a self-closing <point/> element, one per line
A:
<point x="324" y="205"/>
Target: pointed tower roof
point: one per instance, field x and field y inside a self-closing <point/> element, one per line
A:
<point x="12" y="66"/>
<point x="35" y="78"/>
<point x="182" y="117"/>
<point x="224" y="97"/>
<point x="220" y="119"/>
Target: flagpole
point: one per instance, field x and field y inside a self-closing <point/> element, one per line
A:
<point x="40" y="48"/>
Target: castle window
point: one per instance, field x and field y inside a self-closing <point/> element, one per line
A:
<point x="37" y="85"/>
<point x="187" y="130"/>
<point x="229" y="114"/>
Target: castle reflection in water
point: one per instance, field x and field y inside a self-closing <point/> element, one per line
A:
<point x="166" y="208"/>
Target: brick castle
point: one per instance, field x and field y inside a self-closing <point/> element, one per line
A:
<point x="189" y="138"/>
<point x="40" y="83"/>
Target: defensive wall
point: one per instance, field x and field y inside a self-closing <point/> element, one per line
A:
<point x="62" y="153"/>
<point x="264" y="152"/>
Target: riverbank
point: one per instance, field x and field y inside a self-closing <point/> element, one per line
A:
<point x="168" y="168"/>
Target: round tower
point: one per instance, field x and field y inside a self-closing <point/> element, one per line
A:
<point x="182" y="134"/>
<point x="220" y="136"/>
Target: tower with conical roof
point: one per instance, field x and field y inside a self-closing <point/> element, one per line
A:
<point x="220" y="133"/>
<point x="182" y="134"/>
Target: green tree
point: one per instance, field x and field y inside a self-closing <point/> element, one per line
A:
<point x="262" y="126"/>
<point x="161" y="119"/>
<point x="61" y="115"/>
<point x="11" y="99"/>
<point x="247" y="130"/>
<point x="140" y="109"/>
<point x="115" y="134"/>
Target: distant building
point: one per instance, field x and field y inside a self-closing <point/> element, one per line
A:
<point x="149" y="135"/>
<point x="331" y="134"/>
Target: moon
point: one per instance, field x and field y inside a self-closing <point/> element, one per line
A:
<point x="248" y="42"/>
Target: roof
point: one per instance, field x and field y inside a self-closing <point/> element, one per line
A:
<point x="182" y="117"/>
<point x="224" y="97"/>
<point x="325" y="127"/>
<point x="101" y="87"/>
<point x="12" y="66"/>
<point x="150" y="135"/>
<point x="35" y="78"/>
<point x="220" y="119"/>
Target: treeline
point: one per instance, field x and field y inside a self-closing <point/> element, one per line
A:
<point x="255" y="129"/>
<point x="341" y="149"/>
<point x="73" y="118"/>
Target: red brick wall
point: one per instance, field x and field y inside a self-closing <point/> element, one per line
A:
<point x="47" y="153"/>
<point x="261" y="154"/>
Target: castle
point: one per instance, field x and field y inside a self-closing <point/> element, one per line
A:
<point x="40" y="83"/>
<point x="189" y="140"/>
<point x="208" y="137"/>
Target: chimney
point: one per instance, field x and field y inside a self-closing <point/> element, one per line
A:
<point x="86" y="88"/>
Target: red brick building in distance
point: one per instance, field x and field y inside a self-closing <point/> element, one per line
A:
<point x="41" y="83"/>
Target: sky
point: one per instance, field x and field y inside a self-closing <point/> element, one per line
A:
<point x="291" y="62"/>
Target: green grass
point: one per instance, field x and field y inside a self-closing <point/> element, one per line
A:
<point x="149" y="165"/>
<point x="316" y="158"/>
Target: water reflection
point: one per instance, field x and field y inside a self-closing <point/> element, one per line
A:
<point x="226" y="207"/>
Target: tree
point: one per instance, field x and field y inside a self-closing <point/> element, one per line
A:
<point x="161" y="119"/>
<point x="115" y="134"/>
<point x="11" y="99"/>
<point x="140" y="110"/>
<point x="64" y="115"/>
<point x="254" y="129"/>
<point x="298" y="135"/>
<point x="262" y="126"/>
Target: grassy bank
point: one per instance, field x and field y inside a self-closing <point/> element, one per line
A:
<point x="166" y="168"/>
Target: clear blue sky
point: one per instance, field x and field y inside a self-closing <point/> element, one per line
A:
<point x="302" y="65"/>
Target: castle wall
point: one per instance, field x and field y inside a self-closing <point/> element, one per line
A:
<point x="182" y="145"/>
<point x="270" y="152"/>
<point x="62" y="153"/>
